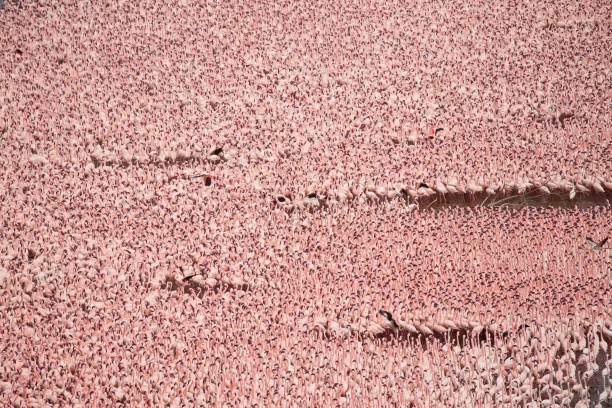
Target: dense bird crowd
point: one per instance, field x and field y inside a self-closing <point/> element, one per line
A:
<point x="228" y="204"/>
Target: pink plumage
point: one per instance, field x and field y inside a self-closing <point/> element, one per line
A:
<point x="124" y="279"/>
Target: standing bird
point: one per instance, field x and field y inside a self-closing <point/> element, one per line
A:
<point x="516" y="329"/>
<point x="597" y="245"/>
<point x="189" y="277"/>
<point x="436" y="131"/>
<point x="218" y="154"/>
<point x="389" y="318"/>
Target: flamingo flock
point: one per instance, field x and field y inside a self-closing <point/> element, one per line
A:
<point x="351" y="203"/>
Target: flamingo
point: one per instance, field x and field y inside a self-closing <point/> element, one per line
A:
<point x="389" y="317"/>
<point x="596" y="245"/>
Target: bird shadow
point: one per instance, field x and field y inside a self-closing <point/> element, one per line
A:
<point x="201" y="289"/>
<point x="452" y="337"/>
